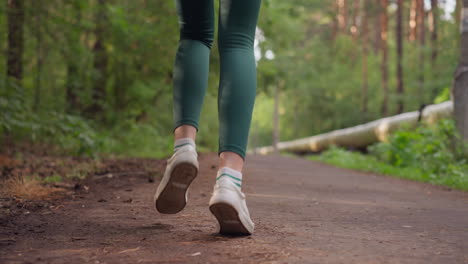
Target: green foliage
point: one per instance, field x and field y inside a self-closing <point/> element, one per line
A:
<point x="323" y="74"/>
<point x="354" y="160"/>
<point x="432" y="154"/>
<point x="77" y="136"/>
<point x="13" y="113"/>
<point x="52" y="179"/>
<point x="320" y="73"/>
<point x="443" y="96"/>
<point x="136" y="140"/>
<point x="436" y="150"/>
<point x="71" y="133"/>
<point x="261" y="127"/>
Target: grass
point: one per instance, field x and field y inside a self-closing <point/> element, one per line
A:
<point x="52" y="179"/>
<point x="29" y="188"/>
<point x="357" y="161"/>
<point x="33" y="176"/>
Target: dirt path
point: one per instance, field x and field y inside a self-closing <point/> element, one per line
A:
<point x="305" y="212"/>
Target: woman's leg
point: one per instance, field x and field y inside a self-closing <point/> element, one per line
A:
<point x="237" y="23"/>
<point x="196" y="22"/>
<point x="190" y="81"/>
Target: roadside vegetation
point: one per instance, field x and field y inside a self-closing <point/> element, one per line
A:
<point x="431" y="154"/>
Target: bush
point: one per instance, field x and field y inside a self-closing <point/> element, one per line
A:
<point x="129" y="138"/>
<point x="432" y="154"/>
<point x="436" y="150"/>
<point x="71" y="133"/>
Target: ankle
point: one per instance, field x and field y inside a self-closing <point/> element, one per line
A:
<point x="185" y="131"/>
<point x="231" y="160"/>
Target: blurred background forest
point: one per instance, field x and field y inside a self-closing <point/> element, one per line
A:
<point x="94" y="77"/>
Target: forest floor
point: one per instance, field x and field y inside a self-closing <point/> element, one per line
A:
<point x="305" y="212"/>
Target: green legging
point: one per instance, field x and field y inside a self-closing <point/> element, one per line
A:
<point x="237" y="84"/>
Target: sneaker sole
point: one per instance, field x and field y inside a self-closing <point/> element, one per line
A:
<point x="228" y="219"/>
<point x="173" y="197"/>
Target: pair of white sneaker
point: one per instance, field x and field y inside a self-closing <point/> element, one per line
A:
<point x="227" y="203"/>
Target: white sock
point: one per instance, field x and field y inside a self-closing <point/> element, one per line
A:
<point x="179" y="143"/>
<point x="234" y="175"/>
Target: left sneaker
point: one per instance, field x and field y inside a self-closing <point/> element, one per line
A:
<point x="229" y="207"/>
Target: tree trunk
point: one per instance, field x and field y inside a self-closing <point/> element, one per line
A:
<point x="354" y="27"/>
<point x="74" y="82"/>
<point x="422" y="44"/>
<point x="460" y="89"/>
<point x="434" y="17"/>
<point x="72" y="87"/>
<point x="342" y="16"/>
<point x="413" y="29"/>
<point x="399" y="72"/>
<point x="377" y="27"/>
<point x="15" y="39"/>
<point x="363" y="135"/>
<point x="39" y="56"/>
<point x="276" y="119"/>
<point x="458" y="12"/>
<point x="122" y="82"/>
<point x="335" y="15"/>
<point x="434" y="36"/>
<point x="100" y="60"/>
<point x="384" y="49"/>
<point x="365" y="52"/>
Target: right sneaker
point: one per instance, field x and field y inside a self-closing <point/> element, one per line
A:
<point x="181" y="170"/>
<point x="229" y="207"/>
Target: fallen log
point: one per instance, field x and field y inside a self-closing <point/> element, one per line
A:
<point x="363" y="135"/>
